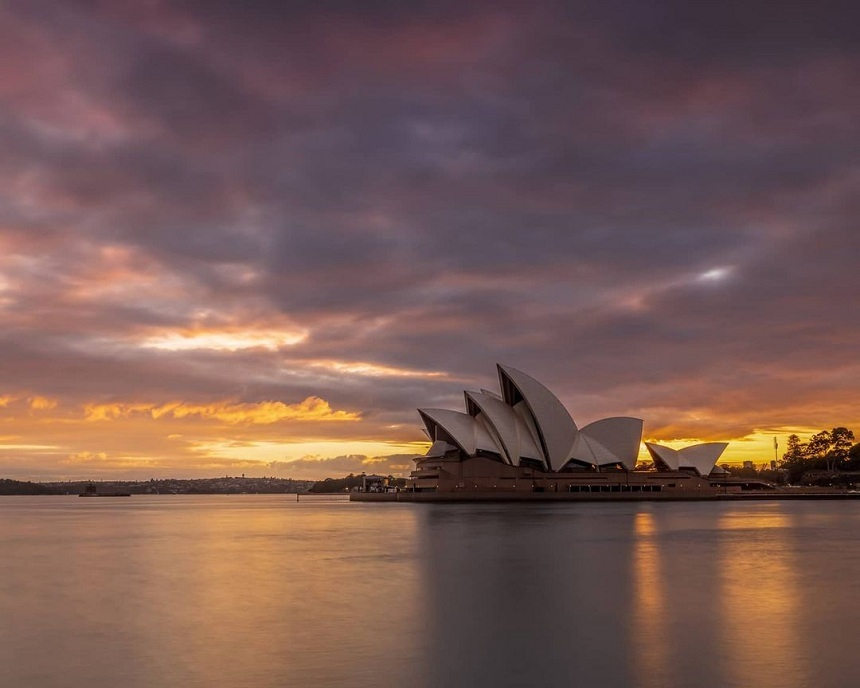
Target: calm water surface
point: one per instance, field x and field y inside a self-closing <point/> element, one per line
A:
<point x="262" y="592"/>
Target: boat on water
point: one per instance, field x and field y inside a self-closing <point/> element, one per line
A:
<point x="91" y="490"/>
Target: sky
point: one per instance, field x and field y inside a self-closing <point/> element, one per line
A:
<point x="255" y="237"/>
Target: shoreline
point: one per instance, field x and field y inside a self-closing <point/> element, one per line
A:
<point x="474" y="497"/>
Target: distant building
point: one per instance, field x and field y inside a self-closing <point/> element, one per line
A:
<point x="374" y="483"/>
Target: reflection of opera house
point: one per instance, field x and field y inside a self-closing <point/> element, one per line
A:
<point x="523" y="441"/>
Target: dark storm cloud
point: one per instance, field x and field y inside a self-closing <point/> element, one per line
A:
<point x="651" y="206"/>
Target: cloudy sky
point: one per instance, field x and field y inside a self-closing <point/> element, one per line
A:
<point x="235" y="236"/>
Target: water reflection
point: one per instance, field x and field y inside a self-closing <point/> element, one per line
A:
<point x="651" y="639"/>
<point x="256" y="592"/>
<point x="761" y="617"/>
<point x="523" y="595"/>
<point x="209" y="592"/>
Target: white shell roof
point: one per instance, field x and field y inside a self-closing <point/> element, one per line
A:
<point x="590" y="453"/>
<point x="496" y="446"/>
<point x="555" y="426"/>
<point x="500" y="416"/>
<point x="619" y="436"/>
<point x="514" y="435"/>
<point x="460" y="427"/>
<point x="439" y="448"/>
<point x="664" y="456"/>
<point x="529" y="422"/>
<point x="701" y="457"/>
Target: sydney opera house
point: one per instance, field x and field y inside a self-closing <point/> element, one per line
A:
<point x="522" y="441"/>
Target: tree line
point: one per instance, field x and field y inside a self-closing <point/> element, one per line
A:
<point x="350" y="482"/>
<point x="829" y="450"/>
<point x="17" y="487"/>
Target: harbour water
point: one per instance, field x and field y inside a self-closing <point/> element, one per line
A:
<point x="263" y="592"/>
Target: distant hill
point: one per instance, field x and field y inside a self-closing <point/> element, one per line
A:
<point x="16" y="487"/>
<point x="225" y="485"/>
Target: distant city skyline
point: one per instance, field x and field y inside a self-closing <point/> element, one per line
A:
<point x="255" y="237"/>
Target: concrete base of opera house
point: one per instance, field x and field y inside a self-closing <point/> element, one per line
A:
<point x="465" y="496"/>
<point x="496" y="497"/>
<point x="480" y="479"/>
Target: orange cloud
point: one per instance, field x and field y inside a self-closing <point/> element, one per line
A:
<point x="34" y="402"/>
<point x="38" y="403"/>
<point x="229" y="340"/>
<point x="261" y="413"/>
<point x="312" y="408"/>
<point x="114" y="411"/>
<point x="85" y="457"/>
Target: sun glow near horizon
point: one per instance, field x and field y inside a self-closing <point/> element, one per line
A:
<point x="191" y="446"/>
<point x="757" y="446"/>
<point x="309" y="436"/>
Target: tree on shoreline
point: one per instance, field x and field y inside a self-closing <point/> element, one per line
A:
<point x="826" y="451"/>
<point x="17" y="487"/>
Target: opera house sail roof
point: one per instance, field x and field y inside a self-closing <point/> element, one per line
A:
<point x="526" y="425"/>
<point x="700" y="457"/>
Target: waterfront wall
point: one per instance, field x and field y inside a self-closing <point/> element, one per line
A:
<point x="709" y="495"/>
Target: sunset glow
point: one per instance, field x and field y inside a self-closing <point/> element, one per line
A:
<point x="225" y="341"/>
<point x="259" y="238"/>
<point x="373" y="370"/>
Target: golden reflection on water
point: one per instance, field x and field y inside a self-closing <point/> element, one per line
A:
<point x="759" y="600"/>
<point x="257" y="592"/>
<point x="208" y="591"/>
<point x="650" y="636"/>
<point x="337" y="589"/>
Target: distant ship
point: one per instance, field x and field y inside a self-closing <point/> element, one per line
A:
<point x="92" y="491"/>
